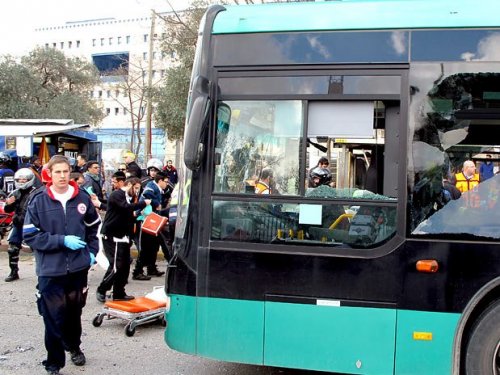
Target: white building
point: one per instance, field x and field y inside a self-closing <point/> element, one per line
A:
<point x="120" y="49"/>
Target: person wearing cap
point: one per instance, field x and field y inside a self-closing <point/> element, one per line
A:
<point x="133" y="168"/>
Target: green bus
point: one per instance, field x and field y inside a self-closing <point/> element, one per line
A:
<point x="382" y="265"/>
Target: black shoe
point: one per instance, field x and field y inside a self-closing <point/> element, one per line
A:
<point x="101" y="297"/>
<point x="52" y="370"/>
<point x="12" y="276"/>
<point x="141" y="276"/>
<point x="124" y="297"/>
<point x="156" y="272"/>
<point x="77" y="357"/>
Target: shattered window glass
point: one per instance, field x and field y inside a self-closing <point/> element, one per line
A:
<point x="454" y="156"/>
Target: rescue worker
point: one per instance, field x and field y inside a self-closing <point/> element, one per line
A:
<point x="17" y="202"/>
<point x="466" y="181"/>
<point x="263" y="186"/>
<point x="61" y="227"/>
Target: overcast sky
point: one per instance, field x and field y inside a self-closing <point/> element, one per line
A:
<point x="18" y="18"/>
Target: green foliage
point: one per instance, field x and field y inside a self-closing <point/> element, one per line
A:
<point x="47" y="84"/>
<point x="180" y="42"/>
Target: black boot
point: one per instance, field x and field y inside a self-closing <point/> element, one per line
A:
<point x="13" y="263"/>
<point x="13" y="275"/>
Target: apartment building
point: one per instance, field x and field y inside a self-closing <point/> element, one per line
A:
<point x="120" y="49"/>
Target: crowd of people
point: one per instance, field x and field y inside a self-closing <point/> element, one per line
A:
<point x="60" y="210"/>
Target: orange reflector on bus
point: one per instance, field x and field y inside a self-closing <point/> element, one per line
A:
<point x="427" y="266"/>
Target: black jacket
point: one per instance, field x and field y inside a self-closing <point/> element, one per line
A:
<point x="20" y="205"/>
<point x="119" y="219"/>
<point x="134" y="169"/>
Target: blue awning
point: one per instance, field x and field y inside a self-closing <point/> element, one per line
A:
<point x="82" y="134"/>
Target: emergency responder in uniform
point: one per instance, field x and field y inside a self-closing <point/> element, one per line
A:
<point x="466" y="181"/>
<point x="16" y="202"/>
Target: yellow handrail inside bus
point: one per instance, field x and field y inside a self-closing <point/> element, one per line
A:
<point x="340" y="219"/>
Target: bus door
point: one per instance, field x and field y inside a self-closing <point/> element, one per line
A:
<point x="357" y="332"/>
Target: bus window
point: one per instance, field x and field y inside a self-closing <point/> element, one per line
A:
<point x="259" y="135"/>
<point x="353" y="206"/>
<point x="454" y="121"/>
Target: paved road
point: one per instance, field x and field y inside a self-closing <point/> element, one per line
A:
<point x="107" y="349"/>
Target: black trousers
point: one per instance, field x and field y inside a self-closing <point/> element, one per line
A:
<point x="148" y="253"/>
<point x="118" y="255"/>
<point x="60" y="302"/>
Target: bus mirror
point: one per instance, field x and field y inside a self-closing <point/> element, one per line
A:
<point x="193" y="146"/>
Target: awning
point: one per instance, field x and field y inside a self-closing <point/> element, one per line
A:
<point x="23" y="128"/>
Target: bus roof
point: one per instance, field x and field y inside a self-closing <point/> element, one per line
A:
<point x="357" y="15"/>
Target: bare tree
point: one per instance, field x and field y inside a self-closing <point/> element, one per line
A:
<point x="131" y="94"/>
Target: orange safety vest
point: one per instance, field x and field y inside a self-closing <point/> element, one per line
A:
<point x="463" y="184"/>
<point x="262" y="188"/>
<point x="468" y="189"/>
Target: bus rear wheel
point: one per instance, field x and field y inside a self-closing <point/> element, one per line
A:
<point x="483" y="349"/>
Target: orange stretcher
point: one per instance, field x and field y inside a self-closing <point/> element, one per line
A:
<point x="141" y="310"/>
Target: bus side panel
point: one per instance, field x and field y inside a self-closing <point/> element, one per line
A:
<point x="231" y="330"/>
<point x="181" y="328"/>
<point x="350" y="340"/>
<point x="425" y="342"/>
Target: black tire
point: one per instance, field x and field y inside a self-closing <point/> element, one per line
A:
<point x="482" y="353"/>
<point x="163" y="321"/>
<point x="97" y="321"/>
<point x="129" y="330"/>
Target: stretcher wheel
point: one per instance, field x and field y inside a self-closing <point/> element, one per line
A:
<point x="129" y="330"/>
<point x="97" y="321"/>
<point x="163" y="321"/>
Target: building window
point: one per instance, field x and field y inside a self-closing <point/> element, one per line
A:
<point x="127" y="39"/>
<point x="124" y="111"/>
<point x="93" y="42"/>
<point x="125" y="93"/>
<point x="77" y="44"/>
<point x="54" y="45"/>
<point x="99" y="94"/>
<point x="145" y="38"/>
<point x="108" y="111"/>
<point x="144" y="56"/>
<point x="162" y="73"/>
<point x="108" y="93"/>
<point x="117" y="93"/>
<point x="46" y="45"/>
<point x="117" y="110"/>
<point x="62" y="45"/>
<point x="119" y="40"/>
<point x="110" y="41"/>
<point x="155" y="55"/>
<point x="102" y="41"/>
<point x="153" y="74"/>
<point x="70" y="43"/>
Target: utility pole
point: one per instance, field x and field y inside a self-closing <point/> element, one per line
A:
<point x="149" y="105"/>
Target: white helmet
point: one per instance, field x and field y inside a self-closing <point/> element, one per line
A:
<point x="24" y="173"/>
<point x="154" y="163"/>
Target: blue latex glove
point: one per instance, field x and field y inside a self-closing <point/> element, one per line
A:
<point x="140" y="218"/>
<point x="74" y="242"/>
<point x="92" y="259"/>
<point x="147" y="210"/>
<point x="89" y="190"/>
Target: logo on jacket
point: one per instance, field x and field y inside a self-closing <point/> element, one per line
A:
<point x="82" y="208"/>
